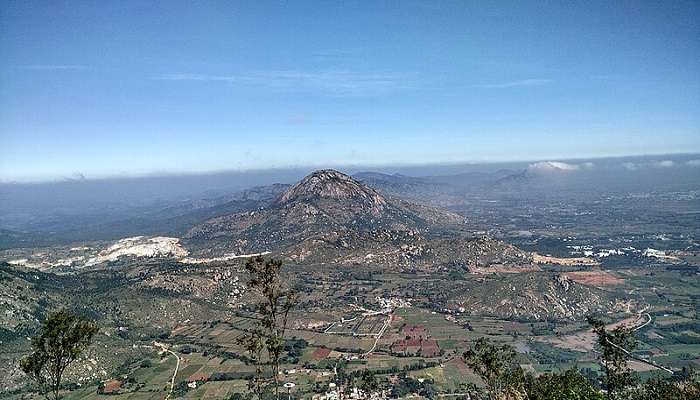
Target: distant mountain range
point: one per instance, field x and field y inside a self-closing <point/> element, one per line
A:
<point x="65" y="212"/>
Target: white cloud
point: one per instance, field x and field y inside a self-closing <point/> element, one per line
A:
<point x="512" y="84"/>
<point x="664" y="164"/>
<point x="332" y="81"/>
<point x="587" y="165"/>
<point x="660" y="164"/>
<point x="77" y="176"/>
<point x="54" y="67"/>
<point x="552" y="166"/>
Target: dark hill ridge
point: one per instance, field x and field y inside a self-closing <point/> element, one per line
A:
<point x="330" y="217"/>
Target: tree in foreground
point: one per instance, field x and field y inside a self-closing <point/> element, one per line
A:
<point x="62" y="339"/>
<point x="253" y="343"/>
<point x="275" y="303"/>
<point x="614" y="345"/>
<point x="568" y="385"/>
<point x="495" y="365"/>
<point x="368" y="382"/>
<point x="658" y="389"/>
<point x="505" y="380"/>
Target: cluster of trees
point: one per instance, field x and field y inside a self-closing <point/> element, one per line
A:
<point x="294" y="349"/>
<point x="407" y="385"/>
<point x="504" y="379"/>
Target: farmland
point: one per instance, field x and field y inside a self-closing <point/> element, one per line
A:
<point x="212" y="358"/>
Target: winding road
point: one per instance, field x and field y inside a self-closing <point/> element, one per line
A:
<point x="644" y="324"/>
<point x="379" y="336"/>
<point x="639" y="359"/>
<point x="177" y="367"/>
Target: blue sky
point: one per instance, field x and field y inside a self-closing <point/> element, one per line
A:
<point x="100" y="88"/>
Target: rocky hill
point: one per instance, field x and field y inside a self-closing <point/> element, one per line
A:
<point x="330" y="217"/>
<point x="536" y="296"/>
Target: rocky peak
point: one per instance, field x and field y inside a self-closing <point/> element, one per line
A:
<point x="331" y="185"/>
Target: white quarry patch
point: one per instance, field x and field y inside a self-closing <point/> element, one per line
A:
<point x="659" y="254"/>
<point x="609" y="252"/>
<point x="45" y="264"/>
<point x="67" y="262"/>
<point x="140" y="246"/>
<point x="227" y="257"/>
<point x="81" y="248"/>
<point x="137" y="246"/>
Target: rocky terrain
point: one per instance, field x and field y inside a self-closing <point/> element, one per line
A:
<point x="135" y="304"/>
<point x="536" y="296"/>
<point x="329" y="217"/>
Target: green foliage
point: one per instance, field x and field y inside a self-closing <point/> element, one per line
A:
<point x="681" y="386"/>
<point x="407" y="385"/>
<point x="180" y="389"/>
<point x="273" y="308"/>
<point x="504" y="380"/>
<point x="569" y="385"/>
<point x="237" y="396"/>
<point x="294" y="349"/>
<point x="614" y="344"/>
<point x="658" y="389"/>
<point x="495" y="365"/>
<point x="368" y="382"/>
<point x="62" y="339"/>
<point x="252" y="342"/>
<point x="146" y="363"/>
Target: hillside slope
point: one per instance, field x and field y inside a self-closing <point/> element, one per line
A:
<point x="330" y="217"/>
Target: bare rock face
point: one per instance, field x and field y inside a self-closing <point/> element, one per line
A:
<point x="331" y="186"/>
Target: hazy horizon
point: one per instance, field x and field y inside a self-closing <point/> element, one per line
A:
<point x="689" y="159"/>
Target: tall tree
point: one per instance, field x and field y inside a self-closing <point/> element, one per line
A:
<point x="253" y="343"/>
<point x="63" y="337"/>
<point x="368" y="382"/>
<point x="276" y="302"/>
<point x="495" y="365"/>
<point x="614" y="345"/>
